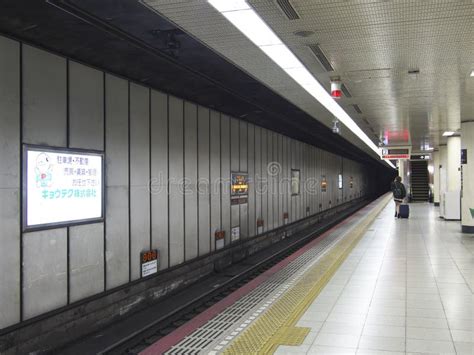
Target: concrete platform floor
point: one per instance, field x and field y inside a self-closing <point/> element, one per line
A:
<point x="407" y="287"/>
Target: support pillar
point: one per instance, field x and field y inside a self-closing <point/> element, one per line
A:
<point x="467" y="200"/>
<point x="436" y="162"/>
<point x="443" y="155"/>
<point x="454" y="164"/>
<point x="451" y="202"/>
<point x="401" y="168"/>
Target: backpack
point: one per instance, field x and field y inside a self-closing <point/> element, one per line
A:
<point x="399" y="190"/>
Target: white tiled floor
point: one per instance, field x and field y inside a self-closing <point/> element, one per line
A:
<point x="406" y="288"/>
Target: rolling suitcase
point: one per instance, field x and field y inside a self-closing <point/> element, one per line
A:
<point x="404" y="211"/>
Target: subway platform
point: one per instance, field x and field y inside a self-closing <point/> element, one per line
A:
<point x="371" y="285"/>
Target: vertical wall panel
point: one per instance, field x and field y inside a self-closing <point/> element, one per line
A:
<point x="203" y="181"/>
<point x="215" y="172"/>
<point x="251" y="170"/>
<point x="44" y="122"/>
<point x="244" y="126"/>
<point x="86" y="260"/>
<point x="234" y="167"/>
<point x="284" y="175"/>
<point x="86" y="130"/>
<point x="45" y="271"/>
<point x="176" y="162"/>
<point x="225" y="176"/>
<point x="244" y="208"/>
<point x="44" y="98"/>
<point x="86" y="107"/>
<point x="159" y="175"/>
<point x="9" y="182"/>
<point x="116" y="170"/>
<point x="139" y="176"/>
<point x="190" y="173"/>
<point x="234" y="145"/>
<point x="280" y="180"/>
<point x="258" y="176"/>
<point x="270" y="179"/>
<point x="264" y="177"/>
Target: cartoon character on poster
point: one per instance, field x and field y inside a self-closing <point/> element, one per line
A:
<point x="44" y="170"/>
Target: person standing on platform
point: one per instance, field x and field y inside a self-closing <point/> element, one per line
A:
<point x="399" y="193"/>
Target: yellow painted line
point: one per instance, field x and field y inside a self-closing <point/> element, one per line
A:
<point x="277" y="326"/>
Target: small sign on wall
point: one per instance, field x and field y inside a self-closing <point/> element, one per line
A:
<point x="149" y="262"/>
<point x="324" y="183"/>
<point x="235" y="234"/>
<point x="219" y="239"/>
<point x="463" y="156"/>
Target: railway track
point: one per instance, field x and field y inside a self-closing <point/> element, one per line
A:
<point x="248" y="269"/>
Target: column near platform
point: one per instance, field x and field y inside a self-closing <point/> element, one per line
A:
<point x="436" y="162"/>
<point x="452" y="198"/>
<point x="467" y="200"/>
<point x="443" y="150"/>
<point x="453" y="164"/>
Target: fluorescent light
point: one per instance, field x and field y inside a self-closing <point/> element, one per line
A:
<point x="252" y="26"/>
<point x="229" y="5"/>
<point x="472" y="73"/>
<point x="448" y="133"/>
<point x="281" y="55"/>
<point x="247" y="21"/>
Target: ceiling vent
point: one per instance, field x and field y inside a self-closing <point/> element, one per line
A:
<point x="357" y="108"/>
<point x="287" y="9"/>
<point x="318" y="53"/>
<point x="345" y="90"/>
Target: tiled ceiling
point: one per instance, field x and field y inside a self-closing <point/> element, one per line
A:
<point x="372" y="46"/>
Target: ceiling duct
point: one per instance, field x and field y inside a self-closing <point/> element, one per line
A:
<point x="287" y="9"/>
<point x="318" y="53"/>
<point x="345" y="90"/>
<point x="357" y="108"/>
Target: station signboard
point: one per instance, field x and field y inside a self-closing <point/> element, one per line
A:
<point x="396" y="153"/>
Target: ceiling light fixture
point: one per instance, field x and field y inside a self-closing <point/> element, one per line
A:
<point x="472" y="73"/>
<point x="448" y="134"/>
<point x="247" y="21"/>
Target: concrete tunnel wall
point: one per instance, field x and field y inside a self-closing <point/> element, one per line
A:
<point x="147" y="136"/>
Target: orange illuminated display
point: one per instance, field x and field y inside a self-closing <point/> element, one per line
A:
<point x="149" y="256"/>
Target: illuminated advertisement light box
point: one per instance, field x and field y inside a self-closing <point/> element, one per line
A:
<point x="61" y="187"/>
<point x="240" y="184"/>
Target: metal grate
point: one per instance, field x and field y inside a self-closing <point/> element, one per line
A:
<point x="357" y="108"/>
<point x="321" y="57"/>
<point x="345" y="90"/>
<point x="287" y="9"/>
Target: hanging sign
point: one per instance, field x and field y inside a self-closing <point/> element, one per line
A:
<point x="396" y="153"/>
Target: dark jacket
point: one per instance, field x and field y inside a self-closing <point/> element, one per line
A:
<point x="398" y="190"/>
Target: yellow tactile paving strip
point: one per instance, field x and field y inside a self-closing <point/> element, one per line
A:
<point x="277" y="326"/>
